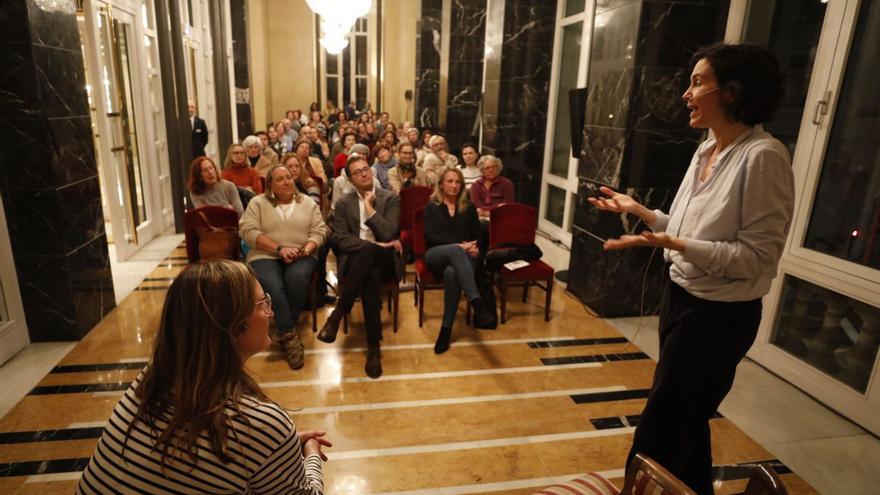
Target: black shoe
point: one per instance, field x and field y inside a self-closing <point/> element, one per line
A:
<point x="330" y="329"/>
<point x="373" y="368"/>
<point x="324" y="300"/>
<point x="484" y="315"/>
<point x="442" y="344"/>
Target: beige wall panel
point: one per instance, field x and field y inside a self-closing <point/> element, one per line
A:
<point x="290" y="29"/>
<point x="399" y="56"/>
<point x="258" y="64"/>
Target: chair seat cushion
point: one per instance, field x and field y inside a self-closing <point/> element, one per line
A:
<point x="537" y="270"/>
<point x="588" y="484"/>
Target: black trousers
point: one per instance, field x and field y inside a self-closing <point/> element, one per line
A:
<point x="701" y="343"/>
<point x="365" y="271"/>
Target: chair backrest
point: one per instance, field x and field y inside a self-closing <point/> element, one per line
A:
<point x="646" y="477"/>
<point x="218" y="216"/>
<point x="513" y="223"/>
<point x="418" y="238"/>
<point x="765" y="481"/>
<point x="411" y="199"/>
<point x="322" y="204"/>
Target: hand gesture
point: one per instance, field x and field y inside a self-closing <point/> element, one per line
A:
<point x="395" y="244"/>
<point x="312" y="441"/>
<point x="370" y="199"/>
<point x="616" y="202"/>
<point x="289" y="254"/>
<point x="646" y="239"/>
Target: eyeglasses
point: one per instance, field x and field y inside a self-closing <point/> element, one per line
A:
<point x="361" y="171"/>
<point x="266" y="302"/>
<point x="237" y="153"/>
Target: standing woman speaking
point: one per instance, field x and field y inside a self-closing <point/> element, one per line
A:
<point x="722" y="240"/>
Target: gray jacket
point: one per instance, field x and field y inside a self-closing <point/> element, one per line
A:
<point x="346" y="225"/>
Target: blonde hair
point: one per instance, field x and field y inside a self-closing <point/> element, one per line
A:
<point x="437" y="196"/>
<point x="269" y="193"/>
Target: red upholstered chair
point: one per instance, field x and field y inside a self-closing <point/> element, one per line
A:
<point x="218" y="216"/>
<point x="411" y="199"/>
<point x="425" y="278"/>
<point x="515" y="224"/>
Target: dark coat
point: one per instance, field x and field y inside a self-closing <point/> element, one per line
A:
<point x="199" y="137"/>
<point x="346" y="225"/>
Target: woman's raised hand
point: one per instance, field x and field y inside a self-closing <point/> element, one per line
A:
<point x="616" y="202"/>
<point x="312" y="441"/>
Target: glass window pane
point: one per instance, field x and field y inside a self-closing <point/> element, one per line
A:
<point x="568" y="73"/>
<point x="361" y="54"/>
<point x="361" y="98"/>
<point x="845" y="221"/>
<point x="333" y="88"/>
<point x="827" y="330"/>
<point x="332" y="63"/>
<point x="573" y="7"/>
<point x="790" y="29"/>
<point x="346" y="73"/>
<point x="555" y="205"/>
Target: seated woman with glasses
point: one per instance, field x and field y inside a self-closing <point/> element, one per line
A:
<point x="206" y="188"/>
<point x="284" y="231"/>
<point x="237" y="169"/>
<point x="194" y="420"/>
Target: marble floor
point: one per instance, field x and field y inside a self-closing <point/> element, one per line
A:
<point x="503" y="411"/>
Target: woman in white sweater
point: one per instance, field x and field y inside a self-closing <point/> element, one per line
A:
<point x="284" y="230"/>
<point x="195" y="421"/>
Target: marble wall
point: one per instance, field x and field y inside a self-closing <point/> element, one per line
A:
<point x="517" y="92"/>
<point x="244" y="112"/>
<point x="466" y="45"/>
<point x="48" y="174"/>
<point x="427" y="97"/>
<point x="636" y="138"/>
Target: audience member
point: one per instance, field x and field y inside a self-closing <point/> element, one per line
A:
<point x="389" y="137"/>
<point x="253" y="146"/>
<point x="438" y="159"/>
<point x="451" y="233"/>
<point x="284" y="231"/>
<point x="406" y="173"/>
<point x="384" y="162"/>
<point x="491" y="190"/>
<point x="206" y="188"/>
<point x="304" y="183"/>
<point x="265" y="148"/>
<point x="424" y="149"/>
<point x="193" y="420"/>
<point x="237" y="169"/>
<point x="342" y="185"/>
<point x="348" y="140"/>
<point x="469" y="168"/>
<point x="312" y="165"/>
<point x="275" y="144"/>
<point x="365" y="237"/>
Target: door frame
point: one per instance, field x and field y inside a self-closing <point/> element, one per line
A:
<point x="13" y="330"/>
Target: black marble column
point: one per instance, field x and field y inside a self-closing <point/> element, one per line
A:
<point x="48" y="174"/>
<point x="244" y="113"/>
<point x="428" y="64"/>
<point x="636" y="139"/>
<point x="467" y="32"/>
<point x="515" y="113"/>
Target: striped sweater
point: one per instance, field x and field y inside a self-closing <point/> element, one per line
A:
<point x="264" y="445"/>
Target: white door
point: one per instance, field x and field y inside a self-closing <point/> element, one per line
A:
<point x="821" y="326"/>
<point x="571" y="49"/>
<point x="114" y="56"/>
<point x="13" y="329"/>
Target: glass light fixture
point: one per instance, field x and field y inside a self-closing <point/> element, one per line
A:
<point x="337" y="19"/>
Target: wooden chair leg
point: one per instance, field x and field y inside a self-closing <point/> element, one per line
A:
<point x="416" y="293"/>
<point x="394" y="312"/>
<point x="345" y="323"/>
<point x="526" y="292"/>
<point x="389" y="302"/>
<point x="503" y="289"/>
<point x="467" y="314"/>
<point x="421" y="294"/>
<point x="548" y="299"/>
<point x="314" y="300"/>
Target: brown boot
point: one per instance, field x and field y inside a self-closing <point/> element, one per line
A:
<point x="294" y="349"/>
<point x="373" y="368"/>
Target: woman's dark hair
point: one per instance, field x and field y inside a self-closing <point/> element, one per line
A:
<point x="196" y="371"/>
<point x="751" y="74"/>
<point x="196" y="184"/>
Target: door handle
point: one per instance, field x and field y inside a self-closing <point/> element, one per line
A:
<point x="821" y="108"/>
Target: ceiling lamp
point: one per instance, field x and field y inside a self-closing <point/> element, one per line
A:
<point x="337" y="19"/>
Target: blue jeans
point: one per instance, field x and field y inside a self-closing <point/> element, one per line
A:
<point x="288" y="284"/>
<point x="457" y="269"/>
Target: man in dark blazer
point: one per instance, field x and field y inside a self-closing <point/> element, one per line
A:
<point x="199" y="131"/>
<point x="365" y="236"/>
